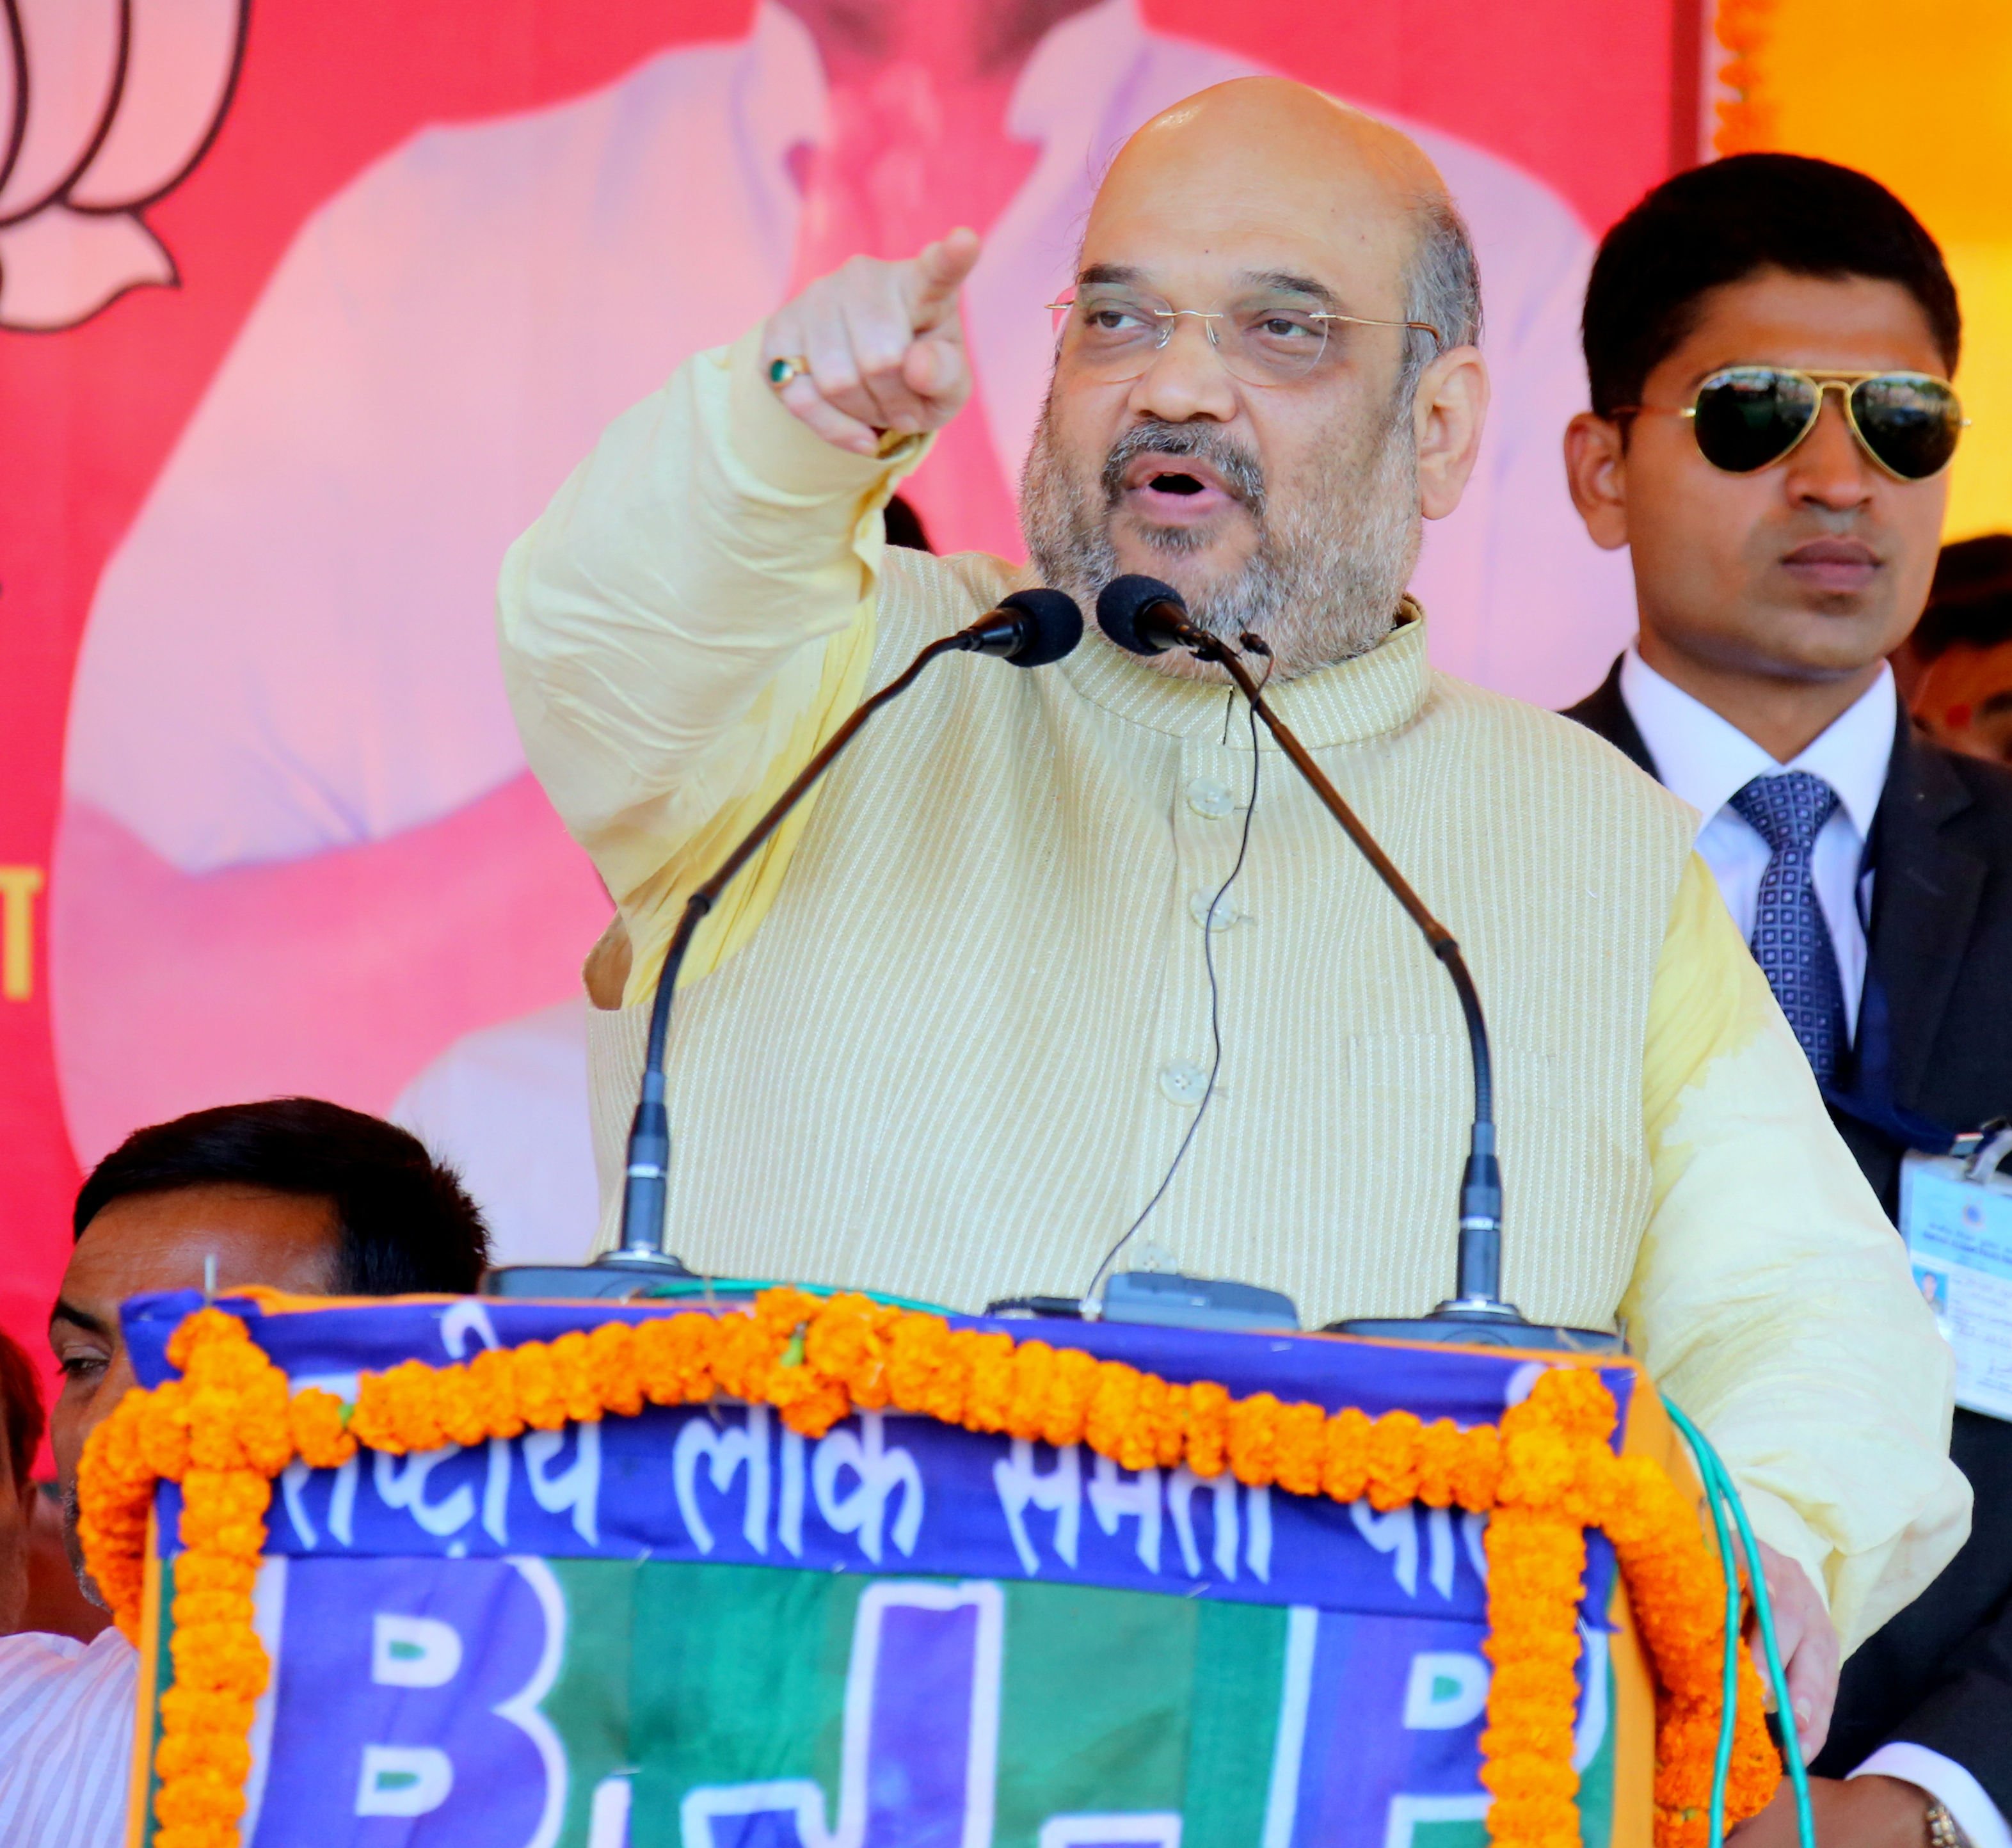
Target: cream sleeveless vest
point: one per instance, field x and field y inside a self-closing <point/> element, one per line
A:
<point x="956" y="1057"/>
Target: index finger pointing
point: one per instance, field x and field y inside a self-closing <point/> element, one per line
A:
<point x="938" y="272"/>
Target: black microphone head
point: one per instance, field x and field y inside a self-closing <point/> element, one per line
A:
<point x="1124" y="601"/>
<point x="1052" y="627"/>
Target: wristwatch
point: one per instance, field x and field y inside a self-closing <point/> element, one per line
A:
<point x="1943" y="1832"/>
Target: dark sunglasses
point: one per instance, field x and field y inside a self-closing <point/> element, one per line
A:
<point x="1747" y="418"/>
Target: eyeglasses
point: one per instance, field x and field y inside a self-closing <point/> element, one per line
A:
<point x="1747" y="418"/>
<point x="1112" y="335"/>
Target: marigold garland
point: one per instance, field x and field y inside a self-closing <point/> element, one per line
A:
<point x="229" y="1425"/>
<point x="1746" y="115"/>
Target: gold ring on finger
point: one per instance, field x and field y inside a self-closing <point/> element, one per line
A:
<point x="792" y="365"/>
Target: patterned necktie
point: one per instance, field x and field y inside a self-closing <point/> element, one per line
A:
<point x="1791" y="940"/>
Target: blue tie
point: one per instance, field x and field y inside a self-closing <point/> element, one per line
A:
<point x="1791" y="940"/>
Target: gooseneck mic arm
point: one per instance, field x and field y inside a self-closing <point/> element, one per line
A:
<point x="1147" y="617"/>
<point x="1030" y="629"/>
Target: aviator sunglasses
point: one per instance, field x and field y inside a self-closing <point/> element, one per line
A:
<point x="1747" y="418"/>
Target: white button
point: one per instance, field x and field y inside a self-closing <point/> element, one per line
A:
<point x="1225" y="912"/>
<point x="1208" y="796"/>
<point x="1184" y="1082"/>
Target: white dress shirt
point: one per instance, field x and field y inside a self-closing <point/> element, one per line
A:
<point x="1707" y="761"/>
<point x="67" y="1725"/>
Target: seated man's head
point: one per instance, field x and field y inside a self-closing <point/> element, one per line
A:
<point x="1781" y="531"/>
<point x="293" y="1194"/>
<point x="20" y="1437"/>
<point x="1961" y="689"/>
<point x="1242" y="404"/>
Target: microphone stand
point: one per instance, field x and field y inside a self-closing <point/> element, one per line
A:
<point x="1027" y="629"/>
<point x="1475" y="1314"/>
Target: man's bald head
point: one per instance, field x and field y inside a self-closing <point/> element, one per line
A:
<point x="1266" y="160"/>
<point x="1243" y="403"/>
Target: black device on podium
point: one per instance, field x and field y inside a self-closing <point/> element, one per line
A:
<point x="1030" y="629"/>
<point x="1147" y="617"/>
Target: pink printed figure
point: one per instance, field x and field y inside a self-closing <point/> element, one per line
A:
<point x="300" y="848"/>
<point x="105" y="105"/>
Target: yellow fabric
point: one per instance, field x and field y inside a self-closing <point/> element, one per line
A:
<point x="941" y="1065"/>
<point x="1762" y="1234"/>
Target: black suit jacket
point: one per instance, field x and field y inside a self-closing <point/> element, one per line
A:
<point x="1940" y="948"/>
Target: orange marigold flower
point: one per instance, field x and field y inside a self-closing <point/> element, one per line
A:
<point x="184" y="1709"/>
<point x="320" y="1436"/>
<point x="201" y="1329"/>
<point x="162" y="1433"/>
<point x="1574" y="1401"/>
<point x="989" y="1358"/>
<point x="399" y="1410"/>
<point x="573" y="1377"/>
<point x="808" y="1402"/>
<point x="1070" y="1379"/>
<point x="1393" y="1460"/>
<point x="1163" y="1408"/>
<point x="462" y="1410"/>
<point x="612" y="1364"/>
<point x="947" y="1392"/>
<point x="1477" y="1470"/>
<point x="1252" y="1442"/>
<point x="1029" y="1364"/>
<point x="1112" y="1425"/>
<point x="744" y="1350"/>
<point x="540" y="1394"/>
<point x="918" y="1347"/>
<point x="1209" y="1428"/>
<point x="848" y="1340"/>
<point x="674" y="1357"/>
<point x="1300" y="1448"/>
<point x="782" y="1311"/>
<point x="1345" y="1456"/>
<point x="492" y="1383"/>
<point x="1438" y="1462"/>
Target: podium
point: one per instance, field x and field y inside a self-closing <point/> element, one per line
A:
<point x="916" y="1583"/>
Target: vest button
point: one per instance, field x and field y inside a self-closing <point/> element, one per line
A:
<point x="1217" y="913"/>
<point x="1184" y="1082"/>
<point x="1208" y="796"/>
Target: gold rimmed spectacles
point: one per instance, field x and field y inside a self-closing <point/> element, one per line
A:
<point x="1269" y="338"/>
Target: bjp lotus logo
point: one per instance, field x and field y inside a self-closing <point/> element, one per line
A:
<point x="105" y="106"/>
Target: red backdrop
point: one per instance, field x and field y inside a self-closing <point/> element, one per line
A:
<point x="1594" y="96"/>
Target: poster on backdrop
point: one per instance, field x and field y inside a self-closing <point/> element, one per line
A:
<point x="303" y="315"/>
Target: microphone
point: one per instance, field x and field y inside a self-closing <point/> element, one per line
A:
<point x="1144" y="616"/>
<point x="1030" y="629"/>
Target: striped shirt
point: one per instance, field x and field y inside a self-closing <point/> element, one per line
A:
<point x="66" y="1722"/>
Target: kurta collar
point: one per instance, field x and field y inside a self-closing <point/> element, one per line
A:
<point x="1370" y="697"/>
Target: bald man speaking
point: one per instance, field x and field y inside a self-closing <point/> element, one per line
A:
<point x="957" y="1023"/>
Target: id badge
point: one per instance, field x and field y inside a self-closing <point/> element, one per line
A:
<point x="1959" y="1234"/>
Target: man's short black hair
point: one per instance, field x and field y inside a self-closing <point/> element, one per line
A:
<point x="405" y="1222"/>
<point x="1721" y="223"/>
<point x="1970" y="604"/>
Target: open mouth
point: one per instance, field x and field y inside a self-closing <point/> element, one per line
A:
<point x="1176" y="489"/>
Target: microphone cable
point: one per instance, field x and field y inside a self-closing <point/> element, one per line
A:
<point x="1253" y="644"/>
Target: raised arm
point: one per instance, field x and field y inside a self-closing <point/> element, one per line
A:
<point x="1771" y="1300"/>
<point x="692" y="615"/>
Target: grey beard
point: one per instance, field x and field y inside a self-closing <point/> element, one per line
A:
<point x="1330" y="566"/>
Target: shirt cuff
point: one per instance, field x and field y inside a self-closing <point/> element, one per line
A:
<point x="1948" y="1782"/>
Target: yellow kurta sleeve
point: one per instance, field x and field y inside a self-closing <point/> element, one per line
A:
<point x="1771" y="1298"/>
<point x="682" y="628"/>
